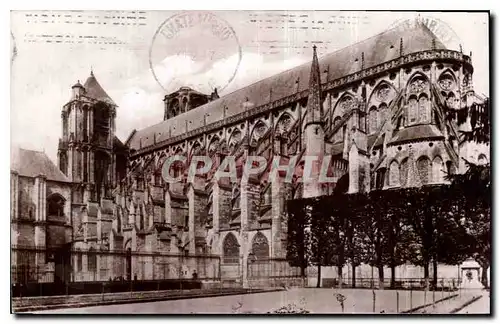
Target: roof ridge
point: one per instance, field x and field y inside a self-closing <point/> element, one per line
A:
<point x="285" y="83"/>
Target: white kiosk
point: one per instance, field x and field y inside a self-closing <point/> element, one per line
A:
<point x="469" y="273"/>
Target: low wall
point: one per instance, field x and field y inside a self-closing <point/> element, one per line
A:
<point x="276" y="282"/>
<point x="21" y="304"/>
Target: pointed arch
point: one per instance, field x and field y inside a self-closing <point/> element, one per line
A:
<point x="403" y="172"/>
<point x="213" y="145"/>
<point x="417" y="79"/>
<point x="260" y="247"/>
<point x="423" y="169"/>
<point x="344" y="104"/>
<point x="372" y="120"/>
<point x="55" y="205"/>
<point x="235" y="138"/>
<point x="260" y="128"/>
<point x="447" y="80"/>
<point x="195" y="149"/>
<point x="383" y="113"/>
<point x="394" y="174"/>
<point x="383" y="92"/>
<point x="437" y="170"/>
<point x="284" y="124"/>
<point x="230" y="249"/>
<point x="412" y="109"/>
<point x="424" y="108"/>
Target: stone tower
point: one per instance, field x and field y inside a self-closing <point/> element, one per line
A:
<point x="314" y="135"/>
<point x="86" y="149"/>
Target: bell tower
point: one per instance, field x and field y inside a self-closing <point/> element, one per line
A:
<point x="86" y="148"/>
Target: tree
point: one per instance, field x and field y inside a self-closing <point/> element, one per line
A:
<point x="473" y="212"/>
<point x="374" y="231"/>
<point x="357" y="245"/>
<point x="298" y="238"/>
<point x="396" y="231"/>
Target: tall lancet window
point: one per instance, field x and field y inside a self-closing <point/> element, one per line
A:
<point x="412" y="109"/>
<point x="85" y="123"/>
<point x="394" y="174"/>
<point x="424" y="110"/>
<point x="372" y="120"/>
<point x="423" y="169"/>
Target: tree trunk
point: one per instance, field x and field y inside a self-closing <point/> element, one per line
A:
<point x="380" y="276"/>
<point x="318" y="284"/>
<point x="426" y="274"/>
<point x="339" y="270"/>
<point x="353" y="275"/>
<point x="484" y="274"/>
<point x="435" y="272"/>
<point x="393" y="276"/>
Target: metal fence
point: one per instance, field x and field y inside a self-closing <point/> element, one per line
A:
<point x="445" y="284"/>
<point x="29" y="264"/>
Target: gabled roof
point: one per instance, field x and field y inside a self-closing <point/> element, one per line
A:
<point x="377" y="49"/>
<point x="30" y="163"/>
<point x="94" y="90"/>
<point x="415" y="132"/>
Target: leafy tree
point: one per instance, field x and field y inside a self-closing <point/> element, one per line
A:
<point x="473" y="212"/>
<point x="357" y="245"/>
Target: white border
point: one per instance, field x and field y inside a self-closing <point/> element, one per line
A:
<point x="177" y="5"/>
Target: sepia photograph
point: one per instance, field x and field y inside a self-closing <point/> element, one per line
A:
<point x="250" y="162"/>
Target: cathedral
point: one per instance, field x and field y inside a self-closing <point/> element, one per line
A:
<point x="378" y="108"/>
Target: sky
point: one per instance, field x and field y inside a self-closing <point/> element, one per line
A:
<point x="52" y="50"/>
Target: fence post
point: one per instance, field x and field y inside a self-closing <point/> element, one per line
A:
<point x="411" y="296"/>
<point x="374" y="300"/>
<point x="102" y="290"/>
<point x="397" y="301"/>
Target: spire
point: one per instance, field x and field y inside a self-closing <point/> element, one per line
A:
<point x="91" y="71"/>
<point x="401" y="52"/>
<point x="313" y="115"/>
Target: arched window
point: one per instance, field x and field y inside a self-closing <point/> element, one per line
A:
<point x="260" y="247"/>
<point x="403" y="173"/>
<point x="338" y="135"/>
<point x="91" y="260"/>
<point x="423" y="170"/>
<point x="63" y="163"/>
<point x="231" y="249"/>
<point x="55" y="205"/>
<point x="437" y="170"/>
<point x="482" y="159"/>
<point x="394" y="174"/>
<point x="412" y="109"/>
<point x="85" y="123"/>
<point x="450" y="168"/>
<point x="79" y="261"/>
<point x="372" y="120"/>
<point x="424" y="114"/>
<point x="383" y="112"/>
<point x="380" y="180"/>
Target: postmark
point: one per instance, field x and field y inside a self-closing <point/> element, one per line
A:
<point x="197" y="49"/>
<point x="442" y="30"/>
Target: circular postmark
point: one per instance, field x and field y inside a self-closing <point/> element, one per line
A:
<point x="196" y="49"/>
<point x="443" y="32"/>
